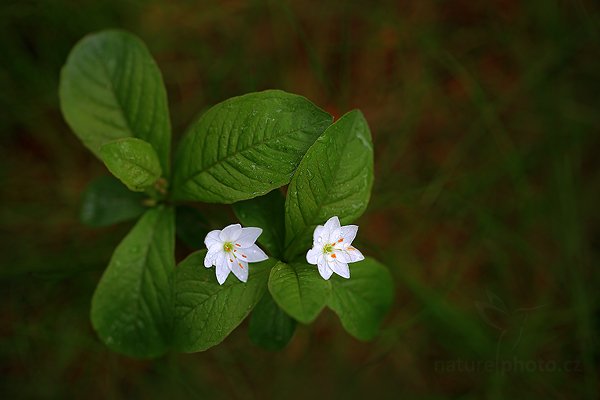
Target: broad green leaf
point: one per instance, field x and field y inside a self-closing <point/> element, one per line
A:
<point x="270" y="327"/>
<point x="299" y="290"/>
<point x="266" y="212"/>
<point x="111" y="88"/>
<point x="131" y="308"/>
<point x="362" y="301"/>
<point x="334" y="178"/>
<point x="191" y="225"/>
<point x="106" y="201"/>
<point x="133" y="161"/>
<point x="206" y="312"/>
<point x="246" y="146"/>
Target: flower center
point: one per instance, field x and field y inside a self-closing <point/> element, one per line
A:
<point x="227" y="246"/>
<point x="328" y="248"/>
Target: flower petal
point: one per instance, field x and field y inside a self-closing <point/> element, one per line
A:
<point x="212" y="238"/>
<point x="240" y="269"/>
<point x="211" y="255"/>
<point x="324" y="269"/>
<point x="332" y="224"/>
<point x="251" y="254"/>
<point x="354" y="254"/>
<point x="340" y="268"/>
<point x="222" y="268"/>
<point x="248" y="236"/>
<point x="231" y="233"/>
<point x="344" y="236"/>
<point x="338" y="255"/>
<point x="313" y="254"/>
<point x="318" y="235"/>
<point x="229" y="260"/>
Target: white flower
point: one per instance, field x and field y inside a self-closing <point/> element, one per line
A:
<point x="231" y="249"/>
<point x="332" y="248"/>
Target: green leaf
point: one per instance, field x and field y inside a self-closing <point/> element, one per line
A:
<point x="106" y="201"/>
<point x="362" y="301"/>
<point x="191" y="225"/>
<point x="334" y="178"/>
<point x="266" y="212"/>
<point x="270" y="327"/>
<point x="246" y="146"/>
<point x="131" y="308"/>
<point x="133" y="161"/>
<point x="299" y="290"/>
<point x="111" y="88"/>
<point x="206" y="312"/>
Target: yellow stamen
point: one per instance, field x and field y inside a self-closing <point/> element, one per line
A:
<point x="328" y="248"/>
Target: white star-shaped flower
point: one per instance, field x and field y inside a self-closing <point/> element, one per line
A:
<point x="231" y="249"/>
<point x="332" y="248"/>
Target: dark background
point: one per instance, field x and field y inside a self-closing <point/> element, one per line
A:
<point x="485" y="119"/>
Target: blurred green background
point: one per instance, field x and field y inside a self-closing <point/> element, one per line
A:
<point x="485" y="118"/>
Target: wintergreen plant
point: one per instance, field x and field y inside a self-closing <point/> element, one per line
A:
<point x="239" y="152"/>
